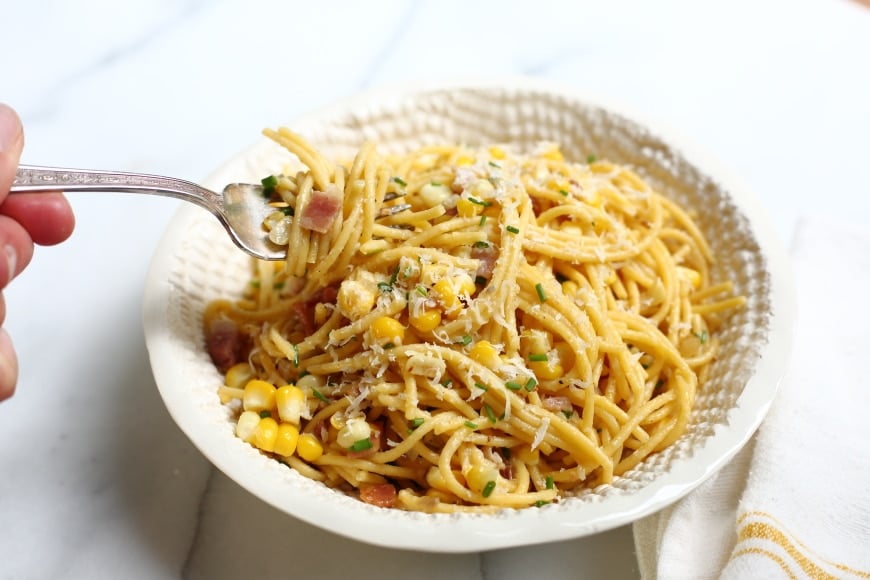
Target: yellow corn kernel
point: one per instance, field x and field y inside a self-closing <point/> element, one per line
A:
<point x="386" y="329"/>
<point x="355" y="299"/>
<point x="246" y="425"/>
<point x="485" y="353"/>
<point x="691" y="275"/>
<point x="291" y="403"/>
<point x="286" y="440"/>
<point x="308" y="447"/>
<point x="449" y="291"/>
<point x="337" y="420"/>
<point x="496" y="152"/>
<point x="478" y="476"/>
<point x="564" y="354"/>
<point x="354" y="430"/>
<point x="426" y="321"/>
<point x="570" y="288"/>
<point x="464" y="160"/>
<point x="238" y="375"/>
<point x="259" y="396"/>
<point x="547" y="370"/>
<point x="553" y="154"/>
<point x="433" y="194"/>
<point x="266" y="434"/>
<point x="466" y="208"/>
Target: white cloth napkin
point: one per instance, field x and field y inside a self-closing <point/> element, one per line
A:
<point x="795" y="503"/>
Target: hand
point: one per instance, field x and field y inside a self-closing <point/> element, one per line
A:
<point x="25" y="219"/>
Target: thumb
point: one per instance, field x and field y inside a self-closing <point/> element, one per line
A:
<point x="11" y="143"/>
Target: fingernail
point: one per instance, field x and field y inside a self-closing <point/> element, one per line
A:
<point x="10" y="127"/>
<point x="11" y="261"/>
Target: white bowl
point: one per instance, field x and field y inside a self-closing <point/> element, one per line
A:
<point x="196" y="262"/>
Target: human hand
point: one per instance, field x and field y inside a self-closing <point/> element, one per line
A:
<point x="41" y="218"/>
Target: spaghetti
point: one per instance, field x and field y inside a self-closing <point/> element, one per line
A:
<point x="462" y="329"/>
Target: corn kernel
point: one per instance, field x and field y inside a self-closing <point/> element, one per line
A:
<point x="259" y="396"/>
<point x="564" y="354"/>
<point x="464" y="160"/>
<point x="553" y="154"/>
<point x="308" y="382"/>
<point x="691" y="275"/>
<point x="354" y="430"/>
<point x="386" y="329"/>
<point x="496" y="152"/>
<point x="246" y="425"/>
<point x="286" y="440"/>
<point x="570" y="288"/>
<point x="433" y="194"/>
<point x="238" y="375"/>
<point x="355" y="299"/>
<point x="467" y="208"/>
<point x="485" y="353"/>
<point x="426" y="321"/>
<point x="308" y="447"/>
<point x="266" y="434"/>
<point x="546" y="370"/>
<point x="291" y="403"/>
<point x="478" y="476"/>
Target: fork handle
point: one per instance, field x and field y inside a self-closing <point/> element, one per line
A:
<point x="32" y="178"/>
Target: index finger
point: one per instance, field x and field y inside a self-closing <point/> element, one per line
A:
<point x="11" y="143"/>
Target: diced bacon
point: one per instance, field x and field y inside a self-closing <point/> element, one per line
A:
<point x="487" y="257"/>
<point x="321" y="210"/>
<point x="223" y="342"/>
<point x="379" y="494"/>
<point x="305" y="313"/>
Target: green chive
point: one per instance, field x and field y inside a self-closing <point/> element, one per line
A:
<point x="538" y="357"/>
<point x="539" y="288"/>
<point x="703" y="336"/>
<point x="480" y="280"/>
<point x="481" y="386"/>
<point x="421" y="290"/>
<point x="465" y="340"/>
<point x="254" y="283"/>
<point x="385" y="287"/>
<point x="541" y="503"/>
<point x="394" y="276"/>
<point x="269" y="184"/>
<point x="530" y="385"/>
<point x="416" y="422"/>
<point x="476" y="201"/>
<point x="513" y="386"/>
<point x="480" y="244"/>
<point x="278" y="285"/>
<point x="389" y="345"/>
<point x="287" y="210"/>
<point x="482" y="220"/>
<point x="400" y="181"/>
<point x="489" y="413"/>
<point x="470" y="425"/>
<point x="361" y="445"/>
<point x="513" y="229"/>
<point x="563" y="192"/>
<point x="446" y="382"/>
<point x="320" y="395"/>
<point x="549" y="482"/>
<point x="590" y="158"/>
<point x="659" y="384"/>
<point x="488" y="488"/>
<point x="295" y="356"/>
<point x="265" y="414"/>
<point x="494" y="164"/>
<point x="568" y="413"/>
<point x="302" y="374"/>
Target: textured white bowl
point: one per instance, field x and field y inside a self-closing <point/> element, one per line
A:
<point x="196" y="262"/>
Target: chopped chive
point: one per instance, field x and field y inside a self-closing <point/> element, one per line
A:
<point x="416" y="422"/>
<point x="539" y="288"/>
<point x="320" y="395"/>
<point x="394" y="276"/>
<point x="361" y="445"/>
<point x="446" y="382"/>
<point x="480" y="280"/>
<point x="269" y="183"/>
<point x="287" y="210"/>
<point x="488" y="489"/>
<point x="295" y="356"/>
<point x="703" y="336"/>
<point x="530" y="385"/>
<point x="482" y="220"/>
<point x="476" y="201"/>
<point x="480" y="244"/>
<point x="590" y="158"/>
<point x="563" y="192"/>
<point x="568" y="413"/>
<point x="481" y="386"/>
<point x="400" y="181"/>
<point x="421" y="290"/>
<point x="254" y="283"/>
<point x="465" y="340"/>
<point x="278" y="285"/>
<point x="513" y="229"/>
<point x="538" y="357"/>
<point x="659" y="384"/>
<point x="549" y="482"/>
<point x="302" y="374"/>
<point x="541" y="503"/>
<point x="494" y="164"/>
<point x="490" y="415"/>
<point x="265" y="414"/>
<point x="513" y="386"/>
<point x="385" y="287"/>
<point x="471" y="425"/>
<point x="389" y="345"/>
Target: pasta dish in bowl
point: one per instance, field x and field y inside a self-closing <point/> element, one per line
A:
<point x="507" y="316"/>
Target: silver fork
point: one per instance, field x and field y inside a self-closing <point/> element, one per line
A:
<point x="240" y="208"/>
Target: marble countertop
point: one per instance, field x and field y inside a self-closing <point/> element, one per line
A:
<point x="96" y="481"/>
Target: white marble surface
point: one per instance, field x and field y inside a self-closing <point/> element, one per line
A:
<point x="96" y="481"/>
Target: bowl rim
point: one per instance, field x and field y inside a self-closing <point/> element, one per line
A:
<point x="450" y="534"/>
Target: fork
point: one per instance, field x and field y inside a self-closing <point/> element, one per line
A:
<point x="241" y="208"/>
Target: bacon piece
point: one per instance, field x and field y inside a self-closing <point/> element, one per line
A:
<point x="379" y="494"/>
<point x="305" y="314"/>
<point x="321" y="210"/>
<point x="487" y="257"/>
<point x="223" y="342"/>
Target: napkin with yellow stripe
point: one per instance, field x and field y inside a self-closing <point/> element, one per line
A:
<point x="795" y="503"/>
